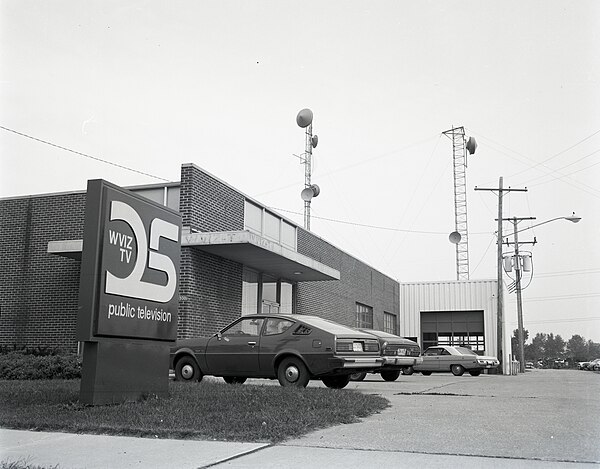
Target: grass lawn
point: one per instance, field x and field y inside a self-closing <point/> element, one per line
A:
<point x="209" y="410"/>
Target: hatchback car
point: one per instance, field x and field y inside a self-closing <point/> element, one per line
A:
<point x="455" y="359"/>
<point x="291" y="348"/>
<point x="399" y="355"/>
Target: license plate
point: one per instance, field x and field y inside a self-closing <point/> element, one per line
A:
<point x="357" y="347"/>
<point x="401" y="351"/>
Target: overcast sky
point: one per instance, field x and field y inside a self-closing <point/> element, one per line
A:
<point x="150" y="85"/>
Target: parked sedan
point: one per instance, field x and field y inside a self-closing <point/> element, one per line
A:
<point x="291" y="348"/>
<point x="399" y="355"/>
<point x="455" y="359"/>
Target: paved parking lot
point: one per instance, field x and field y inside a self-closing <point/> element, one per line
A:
<point x="540" y="419"/>
<point x="542" y="415"/>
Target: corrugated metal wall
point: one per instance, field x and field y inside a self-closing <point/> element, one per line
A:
<point x="449" y="296"/>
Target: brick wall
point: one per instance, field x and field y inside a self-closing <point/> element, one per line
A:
<point x="207" y="204"/>
<point x="38" y="291"/>
<point x="211" y="287"/>
<point x="336" y="300"/>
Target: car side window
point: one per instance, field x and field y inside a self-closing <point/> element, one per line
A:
<point x="445" y="352"/>
<point x="277" y="326"/>
<point x="245" y="327"/>
<point x="430" y="352"/>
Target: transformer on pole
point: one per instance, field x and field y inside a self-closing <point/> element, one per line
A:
<point x="460" y="237"/>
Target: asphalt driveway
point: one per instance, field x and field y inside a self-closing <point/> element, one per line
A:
<point x="542" y="415"/>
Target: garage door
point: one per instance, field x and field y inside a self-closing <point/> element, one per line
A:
<point x="463" y="328"/>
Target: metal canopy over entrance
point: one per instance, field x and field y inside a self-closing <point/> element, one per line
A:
<point x="247" y="248"/>
<point x="261" y="254"/>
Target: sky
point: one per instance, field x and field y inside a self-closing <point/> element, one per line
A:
<point x="129" y="91"/>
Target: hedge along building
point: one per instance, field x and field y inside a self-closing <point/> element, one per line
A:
<point x="238" y="257"/>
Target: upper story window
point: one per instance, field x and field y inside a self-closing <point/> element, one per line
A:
<point x="267" y="224"/>
<point x="390" y="323"/>
<point x="364" y="316"/>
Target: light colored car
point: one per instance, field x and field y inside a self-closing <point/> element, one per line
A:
<point x="400" y="355"/>
<point x="444" y="358"/>
<point x="291" y="348"/>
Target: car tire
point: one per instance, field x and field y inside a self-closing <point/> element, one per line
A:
<point x="409" y="370"/>
<point x="187" y="370"/>
<point x="292" y="372"/>
<point x="390" y="375"/>
<point x="336" y="382"/>
<point x="426" y="373"/>
<point x="475" y="372"/>
<point x="358" y="376"/>
<point x="457" y="370"/>
<point x="234" y="380"/>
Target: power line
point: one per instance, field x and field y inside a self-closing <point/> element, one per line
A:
<point x="563" y="297"/>
<point x="364" y="225"/>
<point x="95" y="158"/>
<point x="549" y="321"/>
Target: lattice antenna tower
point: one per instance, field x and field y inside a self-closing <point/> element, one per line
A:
<point x="460" y="237"/>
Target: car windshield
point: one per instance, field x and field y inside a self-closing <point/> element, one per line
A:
<point x="465" y="351"/>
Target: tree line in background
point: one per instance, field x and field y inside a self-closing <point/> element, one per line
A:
<point x="552" y="350"/>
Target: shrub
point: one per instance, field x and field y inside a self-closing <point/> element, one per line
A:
<point x="18" y="365"/>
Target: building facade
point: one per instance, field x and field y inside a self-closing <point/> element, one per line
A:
<point x="237" y="257"/>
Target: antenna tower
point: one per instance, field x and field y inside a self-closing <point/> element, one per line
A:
<point x="304" y="120"/>
<point x="459" y="153"/>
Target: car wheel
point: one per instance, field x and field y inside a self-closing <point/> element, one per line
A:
<point x="336" y="382"/>
<point x="357" y="376"/>
<point x="390" y="375"/>
<point x="292" y="372"/>
<point x="457" y="370"/>
<point x="186" y="369"/>
<point x="234" y="380"/>
<point x="409" y="370"/>
<point x="426" y="373"/>
<point x="475" y="372"/>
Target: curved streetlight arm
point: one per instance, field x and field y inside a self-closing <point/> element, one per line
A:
<point x="572" y="219"/>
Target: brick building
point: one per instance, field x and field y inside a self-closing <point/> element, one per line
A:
<point x="237" y="257"/>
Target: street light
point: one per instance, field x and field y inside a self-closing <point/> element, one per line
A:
<point x="517" y="263"/>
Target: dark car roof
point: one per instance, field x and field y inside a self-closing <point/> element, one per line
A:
<point x="333" y="327"/>
<point x="389" y="337"/>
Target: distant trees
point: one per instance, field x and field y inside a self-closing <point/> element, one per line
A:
<point x="550" y="348"/>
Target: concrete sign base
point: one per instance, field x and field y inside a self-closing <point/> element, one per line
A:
<point x="117" y="371"/>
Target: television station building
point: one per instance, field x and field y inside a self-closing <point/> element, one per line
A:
<point x="237" y="257"/>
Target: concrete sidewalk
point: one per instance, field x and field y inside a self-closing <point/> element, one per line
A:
<point x="71" y="451"/>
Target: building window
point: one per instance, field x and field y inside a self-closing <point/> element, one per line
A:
<point x="390" y="323"/>
<point x="249" y="292"/>
<point x="364" y="316"/>
<point x="253" y="218"/>
<point x="272" y="294"/>
<point x="267" y="224"/>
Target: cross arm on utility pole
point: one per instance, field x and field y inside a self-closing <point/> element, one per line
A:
<point x="500" y="190"/>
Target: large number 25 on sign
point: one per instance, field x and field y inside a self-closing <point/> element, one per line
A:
<point x="132" y="285"/>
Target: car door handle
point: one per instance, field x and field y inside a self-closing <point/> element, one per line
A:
<point x="252" y="344"/>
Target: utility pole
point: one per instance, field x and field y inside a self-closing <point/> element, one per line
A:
<point x="500" y="302"/>
<point x="518" y="268"/>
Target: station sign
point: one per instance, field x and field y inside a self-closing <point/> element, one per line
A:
<point x="130" y="266"/>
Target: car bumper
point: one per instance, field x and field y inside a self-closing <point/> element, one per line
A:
<point x="402" y="361"/>
<point x="358" y="362"/>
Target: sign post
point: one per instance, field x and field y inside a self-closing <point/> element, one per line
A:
<point x="128" y="294"/>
